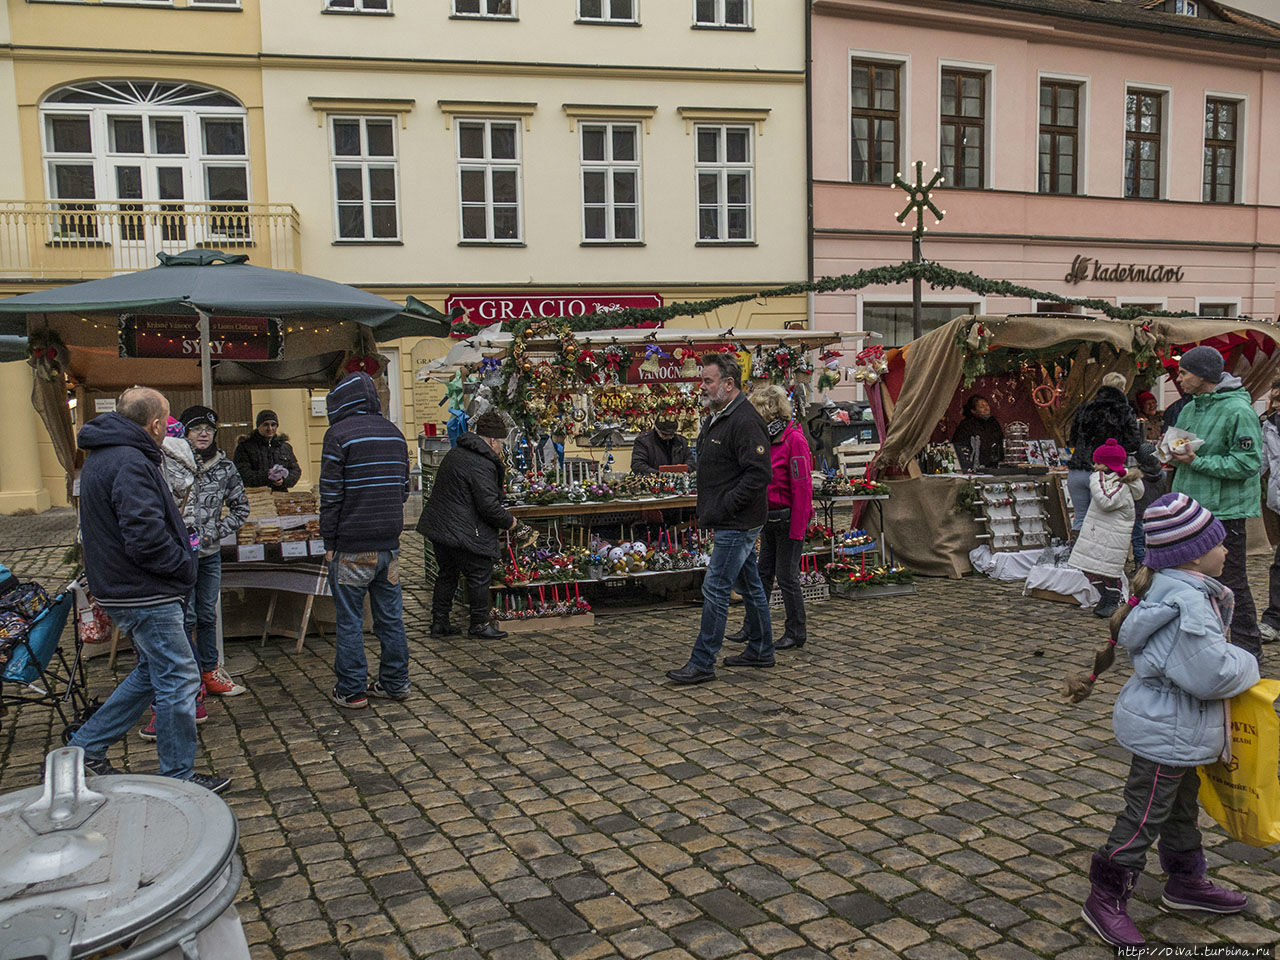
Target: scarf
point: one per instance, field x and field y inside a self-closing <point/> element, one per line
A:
<point x="775" y="428"/>
<point x="1222" y="597"/>
<point x="209" y="452"/>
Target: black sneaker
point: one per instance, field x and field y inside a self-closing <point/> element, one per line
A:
<point x="354" y="701"/>
<point x="487" y="632"/>
<point x="99" y="767"/>
<point x="376" y="689"/>
<point x="445" y="630"/>
<point x="211" y="782"/>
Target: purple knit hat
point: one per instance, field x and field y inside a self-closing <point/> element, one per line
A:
<point x="1178" y="531"/>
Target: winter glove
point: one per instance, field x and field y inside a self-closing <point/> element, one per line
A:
<point x="277" y="473"/>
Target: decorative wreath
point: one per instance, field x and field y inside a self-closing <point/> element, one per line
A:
<point x="47" y="353"/>
<point x="370" y="365"/>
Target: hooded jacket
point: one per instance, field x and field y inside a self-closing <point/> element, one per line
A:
<point x="136" y="550"/>
<point x="1171" y="710"/>
<point x="465" y="509"/>
<point x="256" y="454"/>
<point x="1223" y="477"/>
<point x="1107" y="415"/>
<point x="217" y="482"/>
<point x="1103" y="544"/>
<point x="733" y="468"/>
<point x="364" y="472"/>
<point x="791" y="486"/>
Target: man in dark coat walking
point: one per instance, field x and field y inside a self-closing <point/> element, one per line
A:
<point x="462" y="519"/>
<point x="733" y="478"/>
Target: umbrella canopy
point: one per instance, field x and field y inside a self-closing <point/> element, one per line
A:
<point x="12" y="348"/>
<point x="216" y="282"/>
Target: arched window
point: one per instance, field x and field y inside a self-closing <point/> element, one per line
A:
<point x="146" y="145"/>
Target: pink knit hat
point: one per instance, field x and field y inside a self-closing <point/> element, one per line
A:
<point x="1112" y="456"/>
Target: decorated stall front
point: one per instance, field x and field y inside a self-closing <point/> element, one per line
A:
<point x="1034" y="371"/>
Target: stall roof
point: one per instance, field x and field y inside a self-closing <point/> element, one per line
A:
<point x="497" y="343"/>
<point x="216" y="282"/>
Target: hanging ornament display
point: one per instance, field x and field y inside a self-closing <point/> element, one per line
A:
<point x="653" y="357"/>
<point x="830" y="376"/>
<point x="615" y="359"/>
<point x="690" y="361"/>
<point x="870" y="364"/>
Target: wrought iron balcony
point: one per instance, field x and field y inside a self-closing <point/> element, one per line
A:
<point x="82" y="239"/>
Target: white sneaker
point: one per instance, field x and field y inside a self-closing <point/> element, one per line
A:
<point x="1269" y="633"/>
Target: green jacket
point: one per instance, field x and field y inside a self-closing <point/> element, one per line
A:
<point x="1224" y="475"/>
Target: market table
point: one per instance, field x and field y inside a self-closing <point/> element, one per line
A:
<point x="541" y="511"/>
<point x="307" y="575"/>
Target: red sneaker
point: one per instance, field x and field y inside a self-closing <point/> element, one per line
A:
<point x="219" y="683"/>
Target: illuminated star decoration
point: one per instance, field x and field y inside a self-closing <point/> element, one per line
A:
<point x="920" y="198"/>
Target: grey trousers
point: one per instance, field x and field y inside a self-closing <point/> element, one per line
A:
<point x="1159" y="801"/>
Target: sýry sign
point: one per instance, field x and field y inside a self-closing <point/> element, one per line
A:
<point x="147" y="336"/>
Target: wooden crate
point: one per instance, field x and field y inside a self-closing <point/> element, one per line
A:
<point x="546" y="624"/>
<point x="870" y="593"/>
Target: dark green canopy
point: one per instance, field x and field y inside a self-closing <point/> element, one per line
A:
<point x="226" y="284"/>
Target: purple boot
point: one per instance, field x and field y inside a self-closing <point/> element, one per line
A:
<point x="1189" y="889"/>
<point x="1104" y="910"/>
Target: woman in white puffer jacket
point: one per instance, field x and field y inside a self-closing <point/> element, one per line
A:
<point x="1103" y="545"/>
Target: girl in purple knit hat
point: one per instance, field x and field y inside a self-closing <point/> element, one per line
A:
<point x="1103" y="544"/>
<point x="1170" y="715"/>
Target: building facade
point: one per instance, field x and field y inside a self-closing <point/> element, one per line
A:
<point x="1110" y="150"/>
<point x="512" y="157"/>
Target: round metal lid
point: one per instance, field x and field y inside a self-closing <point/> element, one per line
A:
<point x="83" y="868"/>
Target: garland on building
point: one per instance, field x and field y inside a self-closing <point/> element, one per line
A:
<point x="936" y="275"/>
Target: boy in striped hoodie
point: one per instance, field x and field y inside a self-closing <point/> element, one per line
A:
<point x="364" y="482"/>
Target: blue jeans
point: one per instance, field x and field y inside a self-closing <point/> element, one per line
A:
<point x="202" y="611"/>
<point x="1139" y="540"/>
<point x="351" y="576"/>
<point x="166" y="675"/>
<point x="732" y="559"/>
<point x="1078" y="487"/>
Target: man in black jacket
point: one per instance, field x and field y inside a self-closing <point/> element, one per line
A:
<point x="462" y="519"/>
<point x="733" y="477"/>
<point x="140" y="566"/>
<point x="265" y="458"/>
<point x="364" y="482"/>
<point x="660" y="447"/>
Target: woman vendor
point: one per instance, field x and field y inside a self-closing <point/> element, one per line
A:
<point x="979" y="439"/>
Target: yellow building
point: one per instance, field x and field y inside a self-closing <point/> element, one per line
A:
<point x="512" y="156"/>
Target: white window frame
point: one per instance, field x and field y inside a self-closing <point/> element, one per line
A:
<point x="364" y="162"/>
<point x="606" y="13"/>
<point x="722" y="168"/>
<point x="194" y="161"/>
<point x="903" y="62"/>
<point x="719" y="20"/>
<point x="1166" y="137"/>
<point x="1186" y="8"/>
<point x="1161" y="303"/>
<point x="1230" y="302"/>
<point x="484" y="14"/>
<point x="358" y="6"/>
<point x="1242" y="130"/>
<point x="489" y="165"/>
<point x="988" y="120"/>
<point x="216" y="4"/>
<point x="1082" y="119"/>
<point x="609" y="167"/>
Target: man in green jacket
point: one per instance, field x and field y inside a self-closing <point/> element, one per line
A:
<point x="1223" y="474"/>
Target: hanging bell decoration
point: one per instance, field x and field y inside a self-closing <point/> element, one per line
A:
<point x="691" y="364"/>
<point x="653" y="356"/>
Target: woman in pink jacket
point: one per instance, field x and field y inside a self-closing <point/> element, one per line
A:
<point x="790" y="510"/>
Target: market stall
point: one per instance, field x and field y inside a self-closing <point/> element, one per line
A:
<point x="576" y="398"/>
<point x="1035" y="370"/>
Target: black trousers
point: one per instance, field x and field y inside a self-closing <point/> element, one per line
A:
<point x="1271" y="617"/>
<point x="453" y="564"/>
<point x="1244" y="624"/>
<point x="780" y="558"/>
<point x="1159" y="801"/>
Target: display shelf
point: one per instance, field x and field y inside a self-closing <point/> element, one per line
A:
<point x="544" y="511"/>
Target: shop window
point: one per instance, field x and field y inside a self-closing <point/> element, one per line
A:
<point x="607" y="11"/>
<point x="111" y="147"/>
<point x="1218" y="310"/>
<point x="365" y="178"/>
<point x="875" y="124"/>
<point x="963" y="116"/>
<point x="497" y="9"/>
<point x="610" y="181"/>
<point x="893" y="321"/>
<point x="1143" y="125"/>
<point x="725" y="170"/>
<point x="722" y="13"/>
<point x="1059" y="136"/>
<point x="359" y="6"/>
<point x="489" y="180"/>
<point x="1220" y="130"/>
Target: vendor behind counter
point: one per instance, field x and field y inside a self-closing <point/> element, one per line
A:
<point x="660" y="447"/>
<point x="979" y="438"/>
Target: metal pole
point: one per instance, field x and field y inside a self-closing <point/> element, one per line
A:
<point x="917" y="321"/>
<point x="206" y="369"/>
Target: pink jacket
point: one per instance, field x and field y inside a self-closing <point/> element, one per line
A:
<point x="792" y="481"/>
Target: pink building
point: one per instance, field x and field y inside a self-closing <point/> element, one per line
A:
<point x="1078" y="138"/>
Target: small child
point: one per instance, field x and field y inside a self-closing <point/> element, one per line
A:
<point x="1170" y="715"/>
<point x="1103" y="544"/>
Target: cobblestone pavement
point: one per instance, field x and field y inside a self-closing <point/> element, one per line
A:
<point x="909" y="784"/>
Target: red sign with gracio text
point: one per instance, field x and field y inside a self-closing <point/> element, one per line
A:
<point x="484" y="309"/>
<point x="147" y="336"/>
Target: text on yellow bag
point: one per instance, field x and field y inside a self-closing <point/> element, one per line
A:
<point x="1244" y="795"/>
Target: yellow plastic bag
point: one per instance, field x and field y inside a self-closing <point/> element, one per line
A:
<point x="1244" y="795"/>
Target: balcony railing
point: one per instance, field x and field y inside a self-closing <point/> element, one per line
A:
<point x="72" y="239"/>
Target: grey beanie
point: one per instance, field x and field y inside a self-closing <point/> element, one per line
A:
<point x="1205" y="362"/>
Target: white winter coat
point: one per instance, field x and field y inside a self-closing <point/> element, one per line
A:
<point x="1103" y="544"/>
